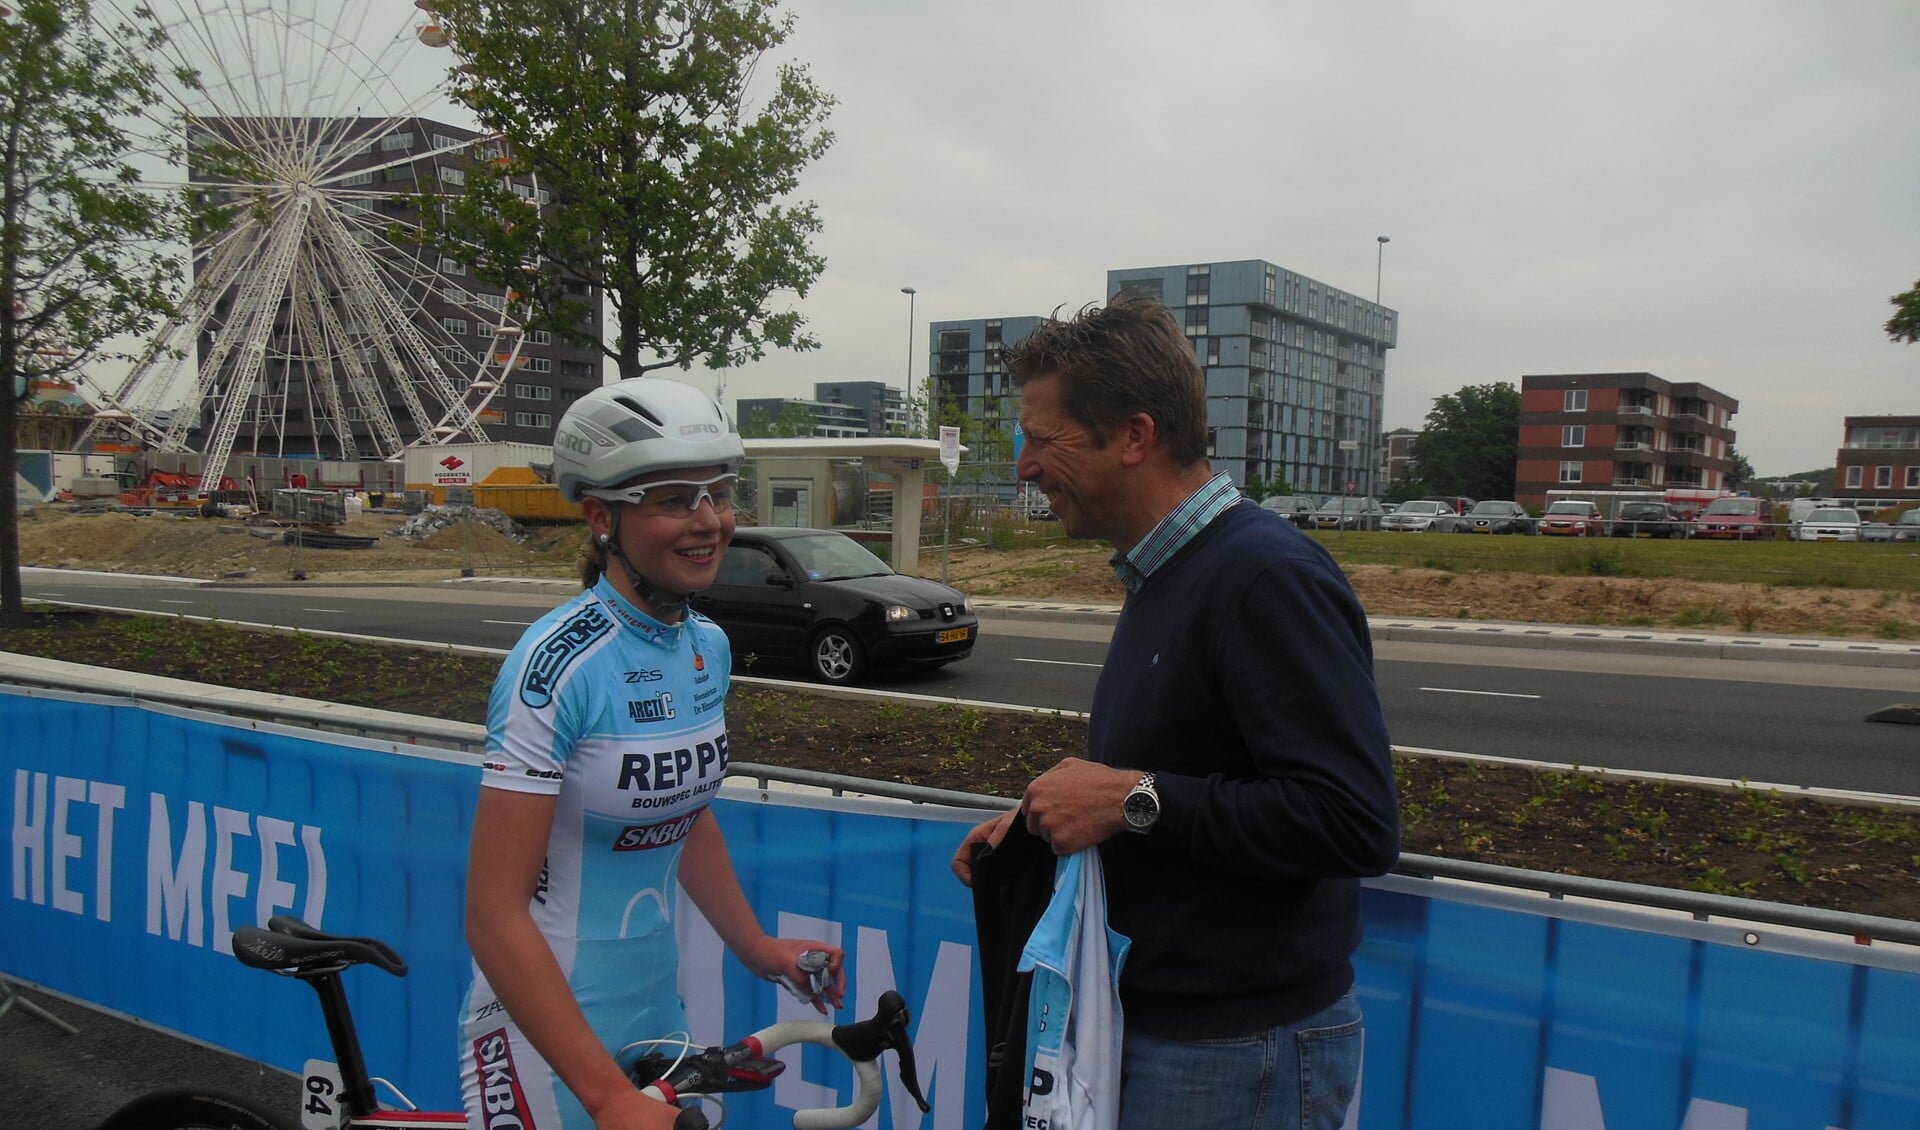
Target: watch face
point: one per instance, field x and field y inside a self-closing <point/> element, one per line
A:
<point x="1140" y="809"/>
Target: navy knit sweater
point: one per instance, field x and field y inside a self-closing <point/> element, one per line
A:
<point x="1241" y="675"/>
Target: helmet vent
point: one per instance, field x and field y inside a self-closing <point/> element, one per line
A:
<point x="637" y="409"/>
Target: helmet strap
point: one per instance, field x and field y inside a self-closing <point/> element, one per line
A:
<point x="664" y="606"/>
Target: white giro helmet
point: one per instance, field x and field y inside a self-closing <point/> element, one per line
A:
<point x="618" y="432"/>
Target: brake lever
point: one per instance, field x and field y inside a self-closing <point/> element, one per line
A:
<point x="902" y="1045"/>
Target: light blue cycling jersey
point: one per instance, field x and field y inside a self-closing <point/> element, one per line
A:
<point x="621" y="717"/>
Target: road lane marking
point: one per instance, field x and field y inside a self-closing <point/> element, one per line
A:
<point x="335" y="611"/>
<point x="164" y="600"/>
<point x="514" y="623"/>
<point x="1489" y="694"/>
<point x="1056" y="662"/>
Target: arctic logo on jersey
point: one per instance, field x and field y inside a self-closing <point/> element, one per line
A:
<point x="548" y="659"/>
<point x="646" y="837"/>
<point x="659" y="708"/>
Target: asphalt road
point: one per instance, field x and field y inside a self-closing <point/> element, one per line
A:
<point x="1778" y="721"/>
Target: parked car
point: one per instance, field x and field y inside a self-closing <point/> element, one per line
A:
<point x="1459" y="503"/>
<point x="1495" y="516"/>
<point x="1573" y="517"/>
<point x="1735" y="519"/>
<point x="1872" y="529"/>
<point x="1419" y="516"/>
<point x="1830" y="523"/>
<point x="1648" y="520"/>
<point x="1296" y="508"/>
<point x="820" y="599"/>
<point x="1907" y="526"/>
<point x="1349" y="512"/>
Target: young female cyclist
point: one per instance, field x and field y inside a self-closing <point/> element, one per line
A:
<point x="606" y="740"/>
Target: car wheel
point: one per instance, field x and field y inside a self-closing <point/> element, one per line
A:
<point x="836" y="657"/>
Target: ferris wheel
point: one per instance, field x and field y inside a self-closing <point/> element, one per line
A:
<point x="319" y="322"/>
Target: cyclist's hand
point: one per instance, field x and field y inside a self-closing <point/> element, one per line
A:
<point x="989" y="833"/>
<point x="778" y="959"/>
<point x="1077" y="804"/>
<point x="632" y="1110"/>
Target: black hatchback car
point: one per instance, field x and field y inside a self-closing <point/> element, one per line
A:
<point x="820" y="599"/>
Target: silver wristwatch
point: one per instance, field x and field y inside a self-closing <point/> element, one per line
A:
<point x="1142" y="806"/>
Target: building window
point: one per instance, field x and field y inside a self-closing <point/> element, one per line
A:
<point x="532" y="392"/>
<point x="1913" y="478"/>
<point x="539" y="337"/>
<point x="450" y="175"/>
<point x="532" y="420"/>
<point x="356" y="178"/>
<point x="1883" y="478"/>
<point x="576" y="369"/>
<point x="538" y="364"/>
<point x="1853" y="478"/>
<point x="1570" y="472"/>
<point x="452" y="266"/>
<point x="393" y="141"/>
<point x="1573" y="435"/>
<point x="442" y="141"/>
<point x="1576" y="400"/>
<point x="454" y="325"/>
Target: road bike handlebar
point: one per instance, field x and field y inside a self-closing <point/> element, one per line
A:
<point x="747" y="1065"/>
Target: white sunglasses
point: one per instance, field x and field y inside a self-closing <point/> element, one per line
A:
<point x="677" y="498"/>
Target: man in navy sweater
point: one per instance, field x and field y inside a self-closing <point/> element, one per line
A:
<point x="1238" y="780"/>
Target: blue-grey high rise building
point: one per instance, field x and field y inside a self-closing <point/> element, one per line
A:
<point x="1296" y="370"/>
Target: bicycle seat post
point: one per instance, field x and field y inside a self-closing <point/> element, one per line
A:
<point x="356" y="1086"/>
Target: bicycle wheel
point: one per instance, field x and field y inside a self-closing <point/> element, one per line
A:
<point x="188" y="1110"/>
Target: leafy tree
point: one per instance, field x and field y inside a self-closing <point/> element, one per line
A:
<point x="1739" y="470"/>
<point x="82" y="255"/>
<point x="1905" y="323"/>
<point x="794" y="420"/>
<point x="665" y="185"/>
<point x="1471" y="442"/>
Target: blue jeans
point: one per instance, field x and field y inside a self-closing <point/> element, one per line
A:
<point x="1295" y="1077"/>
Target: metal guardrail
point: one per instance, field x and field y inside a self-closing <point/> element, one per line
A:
<point x="469" y="737"/>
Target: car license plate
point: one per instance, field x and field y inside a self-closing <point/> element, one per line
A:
<point x="952" y="635"/>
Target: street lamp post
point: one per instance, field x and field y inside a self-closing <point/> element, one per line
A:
<point x="910" y="292"/>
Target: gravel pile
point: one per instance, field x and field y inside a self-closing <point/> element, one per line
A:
<point x="436" y="518"/>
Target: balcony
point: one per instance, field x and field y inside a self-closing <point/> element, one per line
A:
<point x="1621" y="481"/>
<point x="1632" y="445"/>
<point x="1635" y="410"/>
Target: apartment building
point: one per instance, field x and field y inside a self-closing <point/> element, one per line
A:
<point x="1879" y="458"/>
<point x="1621" y="431"/>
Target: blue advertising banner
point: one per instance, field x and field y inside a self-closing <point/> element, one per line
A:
<point x="138" y="837"/>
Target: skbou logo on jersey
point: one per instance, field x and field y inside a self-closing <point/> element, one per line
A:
<point x="503" y="1105"/>
<point x="659" y="708"/>
<point x="646" y="837"/>
<point x="548" y="659"/>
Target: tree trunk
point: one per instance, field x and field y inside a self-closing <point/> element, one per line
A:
<point x="10" y="594"/>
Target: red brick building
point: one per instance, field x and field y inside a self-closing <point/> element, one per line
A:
<point x="1620" y="431"/>
<point x="1880" y="459"/>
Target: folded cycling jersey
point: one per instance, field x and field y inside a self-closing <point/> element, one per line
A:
<point x="1050" y="971"/>
<point x="1074" y="1025"/>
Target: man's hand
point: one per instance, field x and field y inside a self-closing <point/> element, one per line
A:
<point x="1076" y="804"/>
<point x="989" y="833"/>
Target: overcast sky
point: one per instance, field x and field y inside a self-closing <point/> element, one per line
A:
<point x="1718" y="192"/>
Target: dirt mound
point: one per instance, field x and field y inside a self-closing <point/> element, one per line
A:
<point x="218" y="548"/>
